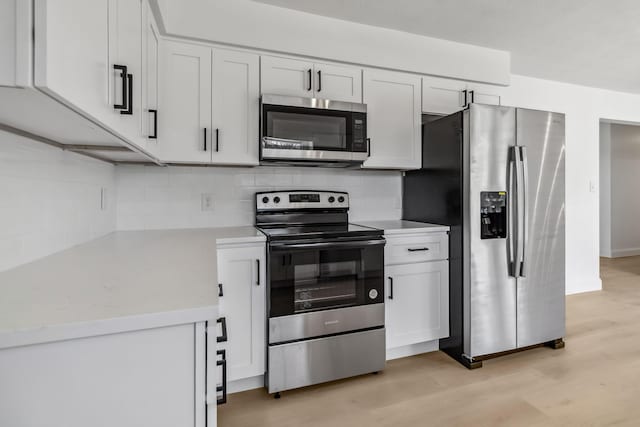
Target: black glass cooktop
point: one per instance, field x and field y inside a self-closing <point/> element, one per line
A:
<point x="324" y="231"/>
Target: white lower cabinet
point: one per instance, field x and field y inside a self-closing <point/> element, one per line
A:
<point x="242" y="304"/>
<point x="153" y="377"/>
<point x="417" y="290"/>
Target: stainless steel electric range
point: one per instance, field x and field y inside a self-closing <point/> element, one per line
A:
<point x="325" y="290"/>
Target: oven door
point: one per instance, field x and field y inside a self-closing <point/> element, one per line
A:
<point x="312" y="276"/>
<point x="304" y="133"/>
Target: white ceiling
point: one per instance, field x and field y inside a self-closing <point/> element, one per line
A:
<point x="588" y="42"/>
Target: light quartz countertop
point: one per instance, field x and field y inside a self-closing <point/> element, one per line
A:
<point x="392" y="227"/>
<point x="123" y="281"/>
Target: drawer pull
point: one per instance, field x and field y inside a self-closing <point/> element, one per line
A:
<point x="417" y="249"/>
<point x="222" y="389"/>
<point x="223" y="322"/>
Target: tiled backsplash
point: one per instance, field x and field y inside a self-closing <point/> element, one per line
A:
<point x="49" y="200"/>
<point x="151" y="197"/>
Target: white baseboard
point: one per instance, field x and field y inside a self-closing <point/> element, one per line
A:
<point x="412" y="350"/>
<point x="619" y="253"/>
<point x="245" y="384"/>
<point x="582" y="286"/>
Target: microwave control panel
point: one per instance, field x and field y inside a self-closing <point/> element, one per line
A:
<point x="359" y="132"/>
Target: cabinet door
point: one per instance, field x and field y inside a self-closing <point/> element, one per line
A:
<point x="484" y="94"/>
<point x="284" y="76"/>
<point x="417" y="306"/>
<point x="443" y="96"/>
<point x="338" y="83"/>
<point x="241" y="271"/>
<point x="125" y="48"/>
<point x="70" y="57"/>
<point x="150" y="64"/>
<point x="236" y="107"/>
<point x="393" y="119"/>
<point x="184" y="130"/>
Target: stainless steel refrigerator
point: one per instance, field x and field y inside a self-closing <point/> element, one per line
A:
<point x="496" y="176"/>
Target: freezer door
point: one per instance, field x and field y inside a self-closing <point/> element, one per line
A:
<point x="541" y="292"/>
<point x="489" y="290"/>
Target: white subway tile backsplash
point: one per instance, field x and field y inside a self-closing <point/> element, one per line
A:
<point x="49" y="200"/>
<point x="144" y="203"/>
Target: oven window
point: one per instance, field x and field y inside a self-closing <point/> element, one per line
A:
<point x="308" y="280"/>
<point x="317" y="132"/>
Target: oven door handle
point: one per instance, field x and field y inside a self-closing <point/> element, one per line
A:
<point x="323" y="245"/>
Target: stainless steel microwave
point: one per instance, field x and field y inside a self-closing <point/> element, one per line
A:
<point x="312" y="131"/>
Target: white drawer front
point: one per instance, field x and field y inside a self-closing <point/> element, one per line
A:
<point x="416" y="248"/>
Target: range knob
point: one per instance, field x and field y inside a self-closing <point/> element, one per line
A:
<point x="265" y="199"/>
<point x="332" y="199"/>
<point x="341" y="199"/>
<point x="276" y="199"/>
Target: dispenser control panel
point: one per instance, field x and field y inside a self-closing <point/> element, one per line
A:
<point x="493" y="215"/>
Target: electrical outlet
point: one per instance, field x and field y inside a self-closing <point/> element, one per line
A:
<point x="103" y="199"/>
<point x="207" y="202"/>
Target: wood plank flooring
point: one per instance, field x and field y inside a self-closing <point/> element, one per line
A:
<point x="594" y="381"/>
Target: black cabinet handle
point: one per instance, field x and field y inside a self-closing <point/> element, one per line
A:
<point x="369" y="147"/>
<point x="309" y="71"/>
<point x="129" y="110"/>
<point x="222" y="388"/>
<point x="472" y="93"/>
<point x="217" y="140"/>
<point x="417" y="249"/>
<point x="258" y="272"/>
<point x="155" y="124"/>
<point x="220" y="292"/>
<point x="464" y="92"/>
<point x="223" y="337"/>
<point x="123" y="76"/>
<point x="205" y="139"/>
<point x="319" y="80"/>
<point x="390" y="287"/>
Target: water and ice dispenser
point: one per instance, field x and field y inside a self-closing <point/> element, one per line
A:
<point x="493" y="215"/>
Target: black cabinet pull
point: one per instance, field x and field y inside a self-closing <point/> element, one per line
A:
<point x="390" y="287"/>
<point x="464" y="92"/>
<point x="123" y="76"/>
<point x="220" y="292"/>
<point x="369" y="147"/>
<point x="417" y="249"/>
<point x="155" y="124"/>
<point x="223" y="337"/>
<point x="129" y="110"/>
<point x="205" y="139"/>
<point x="319" y="80"/>
<point x="309" y="71"/>
<point x="258" y="272"/>
<point x="222" y="388"/>
<point x="472" y="93"/>
<point x="217" y="139"/>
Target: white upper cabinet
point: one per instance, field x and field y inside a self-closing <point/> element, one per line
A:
<point x="151" y="66"/>
<point x="210" y="105"/>
<point x="15" y="43"/>
<point x="446" y="96"/>
<point x="242" y="276"/>
<point x="293" y="77"/>
<point x="236" y="107"/>
<point x="71" y="54"/>
<point x="338" y="83"/>
<point x="284" y="76"/>
<point x="393" y="119"/>
<point x="417" y="306"/>
<point x="184" y="130"/>
<point x="125" y="50"/>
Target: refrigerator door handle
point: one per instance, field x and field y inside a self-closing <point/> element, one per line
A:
<point x="518" y="214"/>
<point x="512" y="226"/>
<point x="525" y="215"/>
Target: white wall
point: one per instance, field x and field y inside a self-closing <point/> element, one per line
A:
<point x="605" y="189"/>
<point x="49" y="200"/>
<point x="152" y="197"/>
<point x="251" y="24"/>
<point x="625" y="179"/>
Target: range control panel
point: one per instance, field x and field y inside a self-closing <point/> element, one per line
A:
<point x="280" y="200"/>
<point x="493" y="215"/>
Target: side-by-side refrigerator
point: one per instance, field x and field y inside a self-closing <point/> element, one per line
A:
<point x="496" y="176"/>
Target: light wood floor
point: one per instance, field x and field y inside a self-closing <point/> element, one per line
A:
<point x="594" y="381"/>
